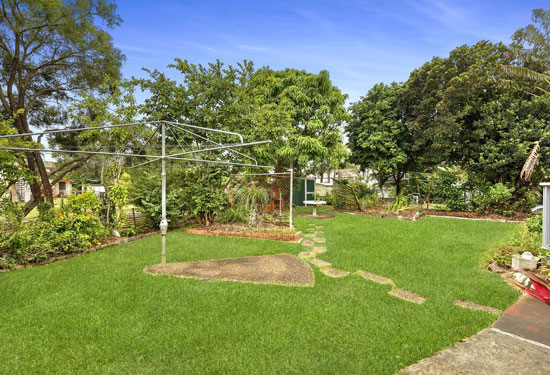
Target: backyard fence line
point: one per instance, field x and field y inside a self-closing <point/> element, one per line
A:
<point x="277" y="189"/>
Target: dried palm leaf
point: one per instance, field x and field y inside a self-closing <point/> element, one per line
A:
<point x="531" y="163"/>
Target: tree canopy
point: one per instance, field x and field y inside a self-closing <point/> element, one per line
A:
<point x="302" y="113"/>
<point x="52" y="52"/>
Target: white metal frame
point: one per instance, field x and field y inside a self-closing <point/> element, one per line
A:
<point x="163" y="125"/>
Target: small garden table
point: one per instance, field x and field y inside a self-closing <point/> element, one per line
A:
<point x="315" y="204"/>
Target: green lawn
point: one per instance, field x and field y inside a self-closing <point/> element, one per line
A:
<point x="101" y="314"/>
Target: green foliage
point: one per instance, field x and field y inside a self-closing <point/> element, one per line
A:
<point x="299" y="111"/>
<point x="528" y="239"/>
<point x="234" y="215"/>
<point x="252" y="198"/>
<point x="450" y="189"/>
<point x="378" y="137"/>
<point x="203" y="189"/>
<point x="495" y="198"/>
<point x="353" y="195"/>
<point x="145" y="193"/>
<point x="53" y="52"/>
<point x="73" y="228"/>
<point x="82" y="203"/>
<point x="400" y="202"/>
<point x="129" y="231"/>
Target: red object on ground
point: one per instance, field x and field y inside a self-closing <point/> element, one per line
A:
<point x="541" y="292"/>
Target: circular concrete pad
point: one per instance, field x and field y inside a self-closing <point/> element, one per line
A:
<point x="279" y="269"/>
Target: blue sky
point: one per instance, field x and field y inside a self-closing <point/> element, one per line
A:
<point x="359" y="42"/>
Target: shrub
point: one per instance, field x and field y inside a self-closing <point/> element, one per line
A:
<point x="353" y="195"/>
<point x="450" y="190"/>
<point x="252" y="199"/>
<point x="71" y="229"/>
<point x="496" y="198"/>
<point x="234" y="215"/>
<point x="145" y="194"/>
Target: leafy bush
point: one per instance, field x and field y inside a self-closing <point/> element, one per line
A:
<point x="529" y="239"/>
<point x="353" y="195"/>
<point x="449" y="189"/>
<point x="251" y="198"/>
<point x="74" y="228"/>
<point x="400" y="202"/>
<point x="496" y="198"/>
<point x="235" y="215"/>
<point x="145" y="193"/>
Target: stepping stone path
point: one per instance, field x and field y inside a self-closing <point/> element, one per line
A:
<point x="306" y="254"/>
<point x="376" y="278"/>
<point x="333" y="272"/>
<point x="319" y="263"/>
<point x="475" y="306"/>
<point x="314" y="237"/>
<point x="319" y="249"/>
<point x="407" y="296"/>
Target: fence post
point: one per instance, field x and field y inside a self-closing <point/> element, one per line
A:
<point x="291" y="193"/>
<point x="545" y="215"/>
<point x="280" y="201"/>
<point x="134" y="217"/>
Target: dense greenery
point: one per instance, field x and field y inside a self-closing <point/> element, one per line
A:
<point x="51" y="53"/>
<point x="73" y="228"/>
<point x="299" y="111"/>
<point x="116" y="319"/>
<point x="452" y="111"/>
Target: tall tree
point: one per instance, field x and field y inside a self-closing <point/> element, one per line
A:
<point x="50" y="52"/>
<point x="302" y="113"/>
<point x="379" y="138"/>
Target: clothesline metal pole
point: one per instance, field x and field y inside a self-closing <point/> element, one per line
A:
<point x="163" y="157"/>
<point x="291" y="195"/>
<point x="163" y="222"/>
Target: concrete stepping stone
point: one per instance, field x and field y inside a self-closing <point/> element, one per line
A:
<point x="318" y="227"/>
<point x="376" y="278"/>
<point x="307" y="243"/>
<point x="319" y="249"/>
<point x="319" y="232"/>
<point x="319" y="263"/>
<point x="309" y="235"/>
<point x="311" y="225"/>
<point x="319" y="240"/>
<point x="475" y="306"/>
<point x="333" y="272"/>
<point x="306" y="254"/>
<point x="408" y="296"/>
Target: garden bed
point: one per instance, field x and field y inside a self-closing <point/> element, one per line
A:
<point x="414" y="214"/>
<point x="266" y="231"/>
<point x="518" y="216"/>
<point x="378" y="211"/>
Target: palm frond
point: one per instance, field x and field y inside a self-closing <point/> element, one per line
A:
<point x="522" y="72"/>
<point x="531" y="163"/>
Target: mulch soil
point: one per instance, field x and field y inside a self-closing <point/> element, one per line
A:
<point x="412" y="213"/>
<point x="318" y="216"/>
<point x="279" y="269"/>
<point x="518" y="216"/>
<point x="266" y="231"/>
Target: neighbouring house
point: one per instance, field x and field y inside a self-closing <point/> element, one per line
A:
<point x="21" y="191"/>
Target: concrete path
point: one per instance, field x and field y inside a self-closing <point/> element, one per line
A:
<point x="518" y="343"/>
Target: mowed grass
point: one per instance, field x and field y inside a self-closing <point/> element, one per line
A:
<point x="101" y="314"/>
